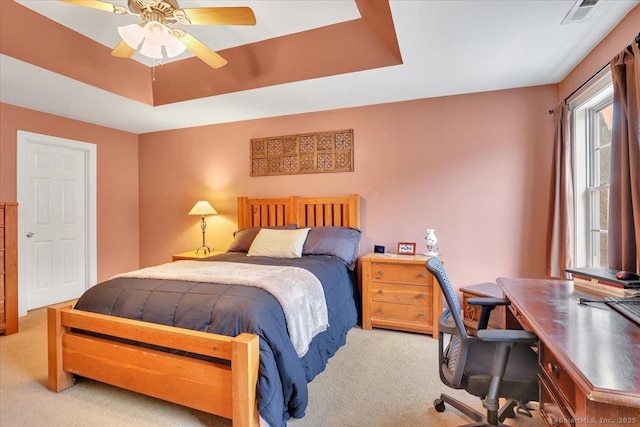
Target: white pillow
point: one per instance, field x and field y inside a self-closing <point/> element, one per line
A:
<point x="279" y="243"/>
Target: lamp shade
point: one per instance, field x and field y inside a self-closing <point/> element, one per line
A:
<point x="132" y="35"/>
<point x="151" y="49"/>
<point x="202" y="208"/>
<point x="173" y="46"/>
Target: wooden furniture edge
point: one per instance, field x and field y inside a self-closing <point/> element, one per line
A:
<point x="614" y="397"/>
<point x="229" y="391"/>
<point x="366" y="289"/>
<point x="58" y="379"/>
<point x="11" y="269"/>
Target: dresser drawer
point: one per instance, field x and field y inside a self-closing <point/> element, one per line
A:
<point x="401" y="312"/>
<point x="400" y="273"/>
<point x="1" y="237"/>
<point x="404" y="294"/>
<point x="558" y="378"/>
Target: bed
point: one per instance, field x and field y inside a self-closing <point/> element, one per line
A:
<point x="229" y="374"/>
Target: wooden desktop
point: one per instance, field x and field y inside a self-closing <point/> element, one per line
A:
<point x="589" y="354"/>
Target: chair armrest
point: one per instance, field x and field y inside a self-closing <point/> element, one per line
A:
<point x="507" y="335"/>
<point x="446" y="323"/>
<point x="488" y="301"/>
<point x="487" y="304"/>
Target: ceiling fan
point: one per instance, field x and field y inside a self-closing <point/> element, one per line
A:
<point x="155" y="32"/>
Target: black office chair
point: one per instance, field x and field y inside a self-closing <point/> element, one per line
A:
<point x="495" y="364"/>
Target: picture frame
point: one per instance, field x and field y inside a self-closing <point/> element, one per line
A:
<point x="406" y="248"/>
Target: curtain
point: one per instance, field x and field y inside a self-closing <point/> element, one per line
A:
<point x="624" y="196"/>
<point x="562" y="236"/>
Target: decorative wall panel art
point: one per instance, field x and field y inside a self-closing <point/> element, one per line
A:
<point x="319" y="152"/>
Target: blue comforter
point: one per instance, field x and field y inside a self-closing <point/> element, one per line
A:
<point x="233" y="309"/>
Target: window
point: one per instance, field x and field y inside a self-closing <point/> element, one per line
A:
<point x="592" y="122"/>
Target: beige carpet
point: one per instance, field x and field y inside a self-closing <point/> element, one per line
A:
<point x="379" y="379"/>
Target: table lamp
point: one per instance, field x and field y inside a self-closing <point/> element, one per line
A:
<point x="203" y="208"/>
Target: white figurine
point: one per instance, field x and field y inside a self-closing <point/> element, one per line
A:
<point x="431" y="240"/>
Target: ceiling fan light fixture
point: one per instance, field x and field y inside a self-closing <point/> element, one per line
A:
<point x="132" y="35"/>
<point x="151" y="49"/>
<point x="157" y="16"/>
<point x="173" y="46"/>
<point x="156" y="32"/>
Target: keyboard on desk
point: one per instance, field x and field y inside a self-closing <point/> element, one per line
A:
<point x="629" y="306"/>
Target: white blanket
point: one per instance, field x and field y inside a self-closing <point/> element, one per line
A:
<point x="299" y="292"/>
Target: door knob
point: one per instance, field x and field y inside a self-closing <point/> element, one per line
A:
<point x="30" y="234"/>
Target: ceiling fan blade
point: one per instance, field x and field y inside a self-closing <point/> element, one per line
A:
<point x="220" y="16"/>
<point x="200" y="50"/>
<point x="123" y="50"/>
<point x="95" y="4"/>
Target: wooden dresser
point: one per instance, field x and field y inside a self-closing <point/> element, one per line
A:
<point x="399" y="293"/>
<point x="471" y="313"/>
<point x="8" y="268"/>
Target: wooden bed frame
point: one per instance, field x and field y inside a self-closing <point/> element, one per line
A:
<point x="228" y="388"/>
<point x="305" y="212"/>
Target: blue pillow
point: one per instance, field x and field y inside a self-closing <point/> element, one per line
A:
<point x="340" y="242"/>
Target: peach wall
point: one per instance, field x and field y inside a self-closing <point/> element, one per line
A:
<point x="474" y="167"/>
<point x="611" y="45"/>
<point x="117" y="162"/>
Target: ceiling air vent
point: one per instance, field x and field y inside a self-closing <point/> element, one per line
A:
<point x="580" y="11"/>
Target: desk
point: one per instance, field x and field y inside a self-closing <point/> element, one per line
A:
<point x="589" y="367"/>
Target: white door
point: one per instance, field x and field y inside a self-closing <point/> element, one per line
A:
<point x="54" y="233"/>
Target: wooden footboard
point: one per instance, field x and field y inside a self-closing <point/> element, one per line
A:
<point x="227" y="389"/>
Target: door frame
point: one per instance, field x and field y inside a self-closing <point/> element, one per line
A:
<point x="90" y="155"/>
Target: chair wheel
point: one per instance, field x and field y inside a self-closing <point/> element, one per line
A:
<point x="439" y="405"/>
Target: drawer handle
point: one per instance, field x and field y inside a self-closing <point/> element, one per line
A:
<point x="553" y="368"/>
<point x="380" y="310"/>
<point x="421" y="295"/>
<point x="380" y="273"/>
<point x="421" y="315"/>
<point x="380" y="291"/>
<point x="422" y="275"/>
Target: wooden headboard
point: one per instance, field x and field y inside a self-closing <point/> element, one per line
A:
<point x="302" y="211"/>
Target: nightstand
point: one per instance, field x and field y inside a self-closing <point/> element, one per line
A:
<point x="471" y="313"/>
<point x="192" y="255"/>
<point x="398" y="292"/>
